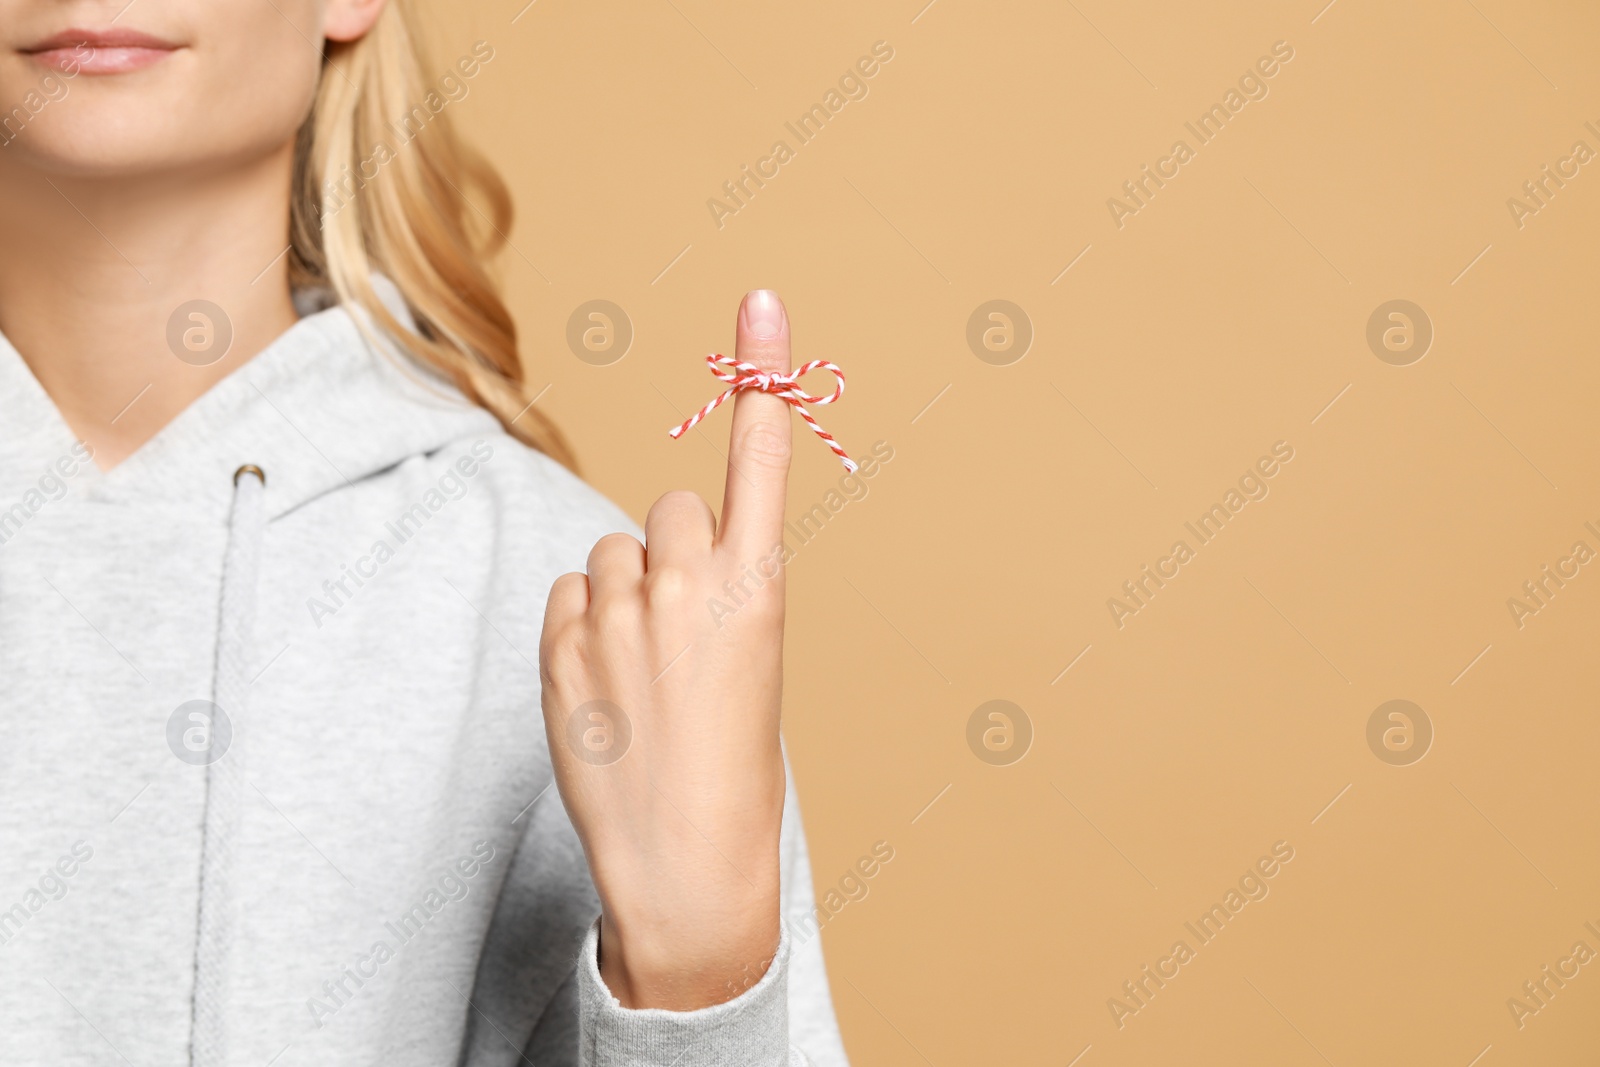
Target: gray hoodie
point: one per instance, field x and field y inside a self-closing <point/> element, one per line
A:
<point x="274" y="783"/>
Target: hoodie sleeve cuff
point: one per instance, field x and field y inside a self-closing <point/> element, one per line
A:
<point x="751" y="1029"/>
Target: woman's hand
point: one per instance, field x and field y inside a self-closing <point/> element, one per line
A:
<point x="663" y="680"/>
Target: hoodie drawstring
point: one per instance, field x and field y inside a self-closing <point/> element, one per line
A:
<point x="225" y="778"/>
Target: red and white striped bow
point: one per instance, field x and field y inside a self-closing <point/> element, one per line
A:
<point x="785" y="386"/>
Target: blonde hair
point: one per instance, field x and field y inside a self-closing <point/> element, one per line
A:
<point x="410" y="219"/>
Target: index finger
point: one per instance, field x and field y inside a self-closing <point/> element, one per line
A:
<point x="759" y="445"/>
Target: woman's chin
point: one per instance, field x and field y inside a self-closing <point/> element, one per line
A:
<point x="92" y="142"/>
<point x="87" y="153"/>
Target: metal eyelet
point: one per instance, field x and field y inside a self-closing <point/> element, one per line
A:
<point x="251" y="468"/>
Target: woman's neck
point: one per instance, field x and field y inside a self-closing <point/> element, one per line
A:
<point x="96" y="273"/>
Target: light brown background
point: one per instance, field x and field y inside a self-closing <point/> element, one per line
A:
<point x="1222" y="318"/>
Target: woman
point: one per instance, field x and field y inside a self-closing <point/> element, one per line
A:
<point x="276" y="524"/>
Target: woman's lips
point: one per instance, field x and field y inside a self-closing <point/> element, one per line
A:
<point x="100" y="52"/>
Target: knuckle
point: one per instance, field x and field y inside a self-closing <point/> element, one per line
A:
<point x="770" y="355"/>
<point x="614" y="542"/>
<point x="562" y="590"/>
<point x="677" y="506"/>
<point x="680" y="500"/>
<point x="667" y="587"/>
<point x="562" y="654"/>
<point x="768" y="443"/>
<point x="615" y="618"/>
<point x="616" y="548"/>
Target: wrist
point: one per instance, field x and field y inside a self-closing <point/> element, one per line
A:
<point x="686" y="963"/>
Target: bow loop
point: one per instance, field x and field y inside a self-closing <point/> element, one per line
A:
<point x="743" y="376"/>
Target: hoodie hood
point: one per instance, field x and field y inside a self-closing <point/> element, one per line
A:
<point x="320" y="408"/>
<point x="358" y="408"/>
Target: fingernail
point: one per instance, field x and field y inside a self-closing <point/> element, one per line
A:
<point x="763" y="314"/>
